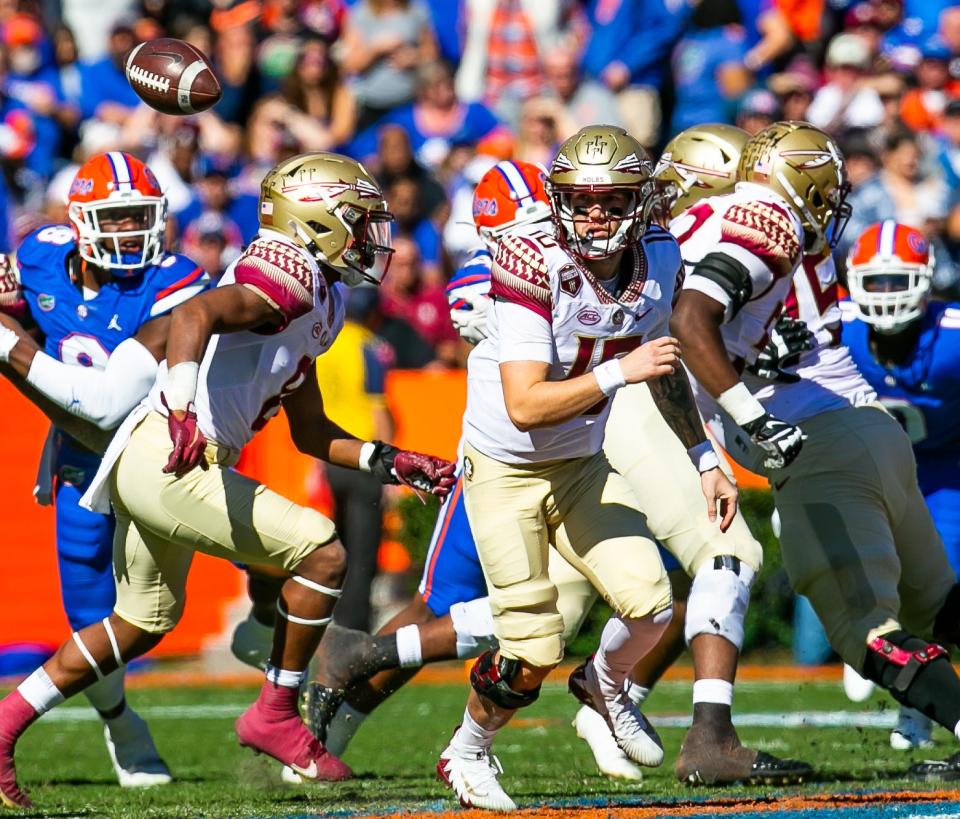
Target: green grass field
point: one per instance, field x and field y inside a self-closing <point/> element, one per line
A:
<point x="63" y="762"/>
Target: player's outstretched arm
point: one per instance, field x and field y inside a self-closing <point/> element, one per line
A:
<point x="315" y="434"/>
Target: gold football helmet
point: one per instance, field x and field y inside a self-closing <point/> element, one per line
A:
<point x="330" y="206"/>
<point x="805" y="166"/>
<point x="601" y="159"/>
<point x="700" y="161"/>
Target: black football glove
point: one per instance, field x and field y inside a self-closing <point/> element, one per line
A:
<point x="424" y="472"/>
<point x="788" y="340"/>
<point x="779" y="440"/>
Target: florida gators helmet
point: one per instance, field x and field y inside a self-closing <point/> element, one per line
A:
<point x="889" y="274"/>
<point x="510" y="194"/>
<point x="118" y="213"/>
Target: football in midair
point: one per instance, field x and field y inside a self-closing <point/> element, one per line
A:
<point x="172" y="76"/>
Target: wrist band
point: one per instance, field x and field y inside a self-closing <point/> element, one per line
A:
<point x="740" y="404"/>
<point x="704" y="456"/>
<point x="609" y="377"/>
<point x="8" y="340"/>
<point x="367" y="448"/>
<point x="180" y="389"/>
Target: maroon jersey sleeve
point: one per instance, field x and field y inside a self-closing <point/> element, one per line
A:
<point x="519" y="275"/>
<point x="281" y="275"/>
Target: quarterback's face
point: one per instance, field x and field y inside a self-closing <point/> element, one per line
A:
<point x="597" y="215"/>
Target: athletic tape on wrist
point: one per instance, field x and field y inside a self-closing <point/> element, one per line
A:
<point x="609" y="377"/>
<point x="8" y="340"/>
<point x="180" y="389"/>
<point x="366" y="453"/>
<point x="704" y="456"/>
<point x="740" y="404"/>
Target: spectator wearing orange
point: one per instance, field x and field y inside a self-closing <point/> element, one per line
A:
<point x="922" y="107"/>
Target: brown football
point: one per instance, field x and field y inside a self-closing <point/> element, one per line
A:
<point x="172" y="76"/>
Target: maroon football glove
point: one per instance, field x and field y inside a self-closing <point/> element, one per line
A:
<point x="188" y="441"/>
<point x="11" y="294"/>
<point x="424" y="472"/>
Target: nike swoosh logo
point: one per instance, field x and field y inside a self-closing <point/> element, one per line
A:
<point x="637" y="318"/>
<point x="780" y="485"/>
<point x="309" y="773"/>
<point x="175" y="59"/>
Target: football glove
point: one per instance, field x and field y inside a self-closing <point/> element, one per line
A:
<point x="779" y="440"/>
<point x="788" y="340"/>
<point x="189" y="443"/>
<point x="400" y="466"/>
<point x="471" y="322"/>
<point x="11" y="294"/>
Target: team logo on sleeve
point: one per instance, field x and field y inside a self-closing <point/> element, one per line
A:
<point x="570" y="280"/>
<point x="46" y="302"/>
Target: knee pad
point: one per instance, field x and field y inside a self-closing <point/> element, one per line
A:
<point x="492" y="680"/>
<point x="718" y="600"/>
<point x="946" y="626"/>
<point x="473" y="624"/>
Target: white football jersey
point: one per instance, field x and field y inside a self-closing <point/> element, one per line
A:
<point x="244" y="376"/>
<point x="547" y="307"/>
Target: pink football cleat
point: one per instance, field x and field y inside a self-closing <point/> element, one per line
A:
<point x="15" y="715"/>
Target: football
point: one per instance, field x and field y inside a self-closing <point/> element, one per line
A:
<point x="172" y="76"/>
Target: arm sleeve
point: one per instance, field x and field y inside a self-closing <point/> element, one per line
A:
<point x="524" y="334"/>
<point x="103" y="397"/>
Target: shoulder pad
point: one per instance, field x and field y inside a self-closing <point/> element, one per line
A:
<point x="520" y="274"/>
<point x="41" y="251"/>
<point x="764" y="229"/>
<point x="279" y="273"/>
<point x="950" y="318"/>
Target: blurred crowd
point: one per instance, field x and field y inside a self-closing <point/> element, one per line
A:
<point x="430" y="93"/>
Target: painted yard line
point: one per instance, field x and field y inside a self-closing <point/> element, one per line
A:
<point x="799" y="719"/>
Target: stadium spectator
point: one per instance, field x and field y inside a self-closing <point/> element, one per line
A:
<point x="863" y="20"/>
<point x="860" y="156"/>
<point x="506" y="42"/>
<point x="352" y="378"/>
<point x="768" y="33"/>
<point x="215" y="194"/>
<point x="66" y="57"/>
<point x="105" y="94"/>
<point x="758" y="109"/>
<point x="234" y="55"/>
<point x="539" y="131"/>
<point x="581" y="101"/>
<point x="794" y="89"/>
<point x="402" y="197"/>
<point x="922" y="107"/>
<point x="708" y="66"/>
<point x="213" y="242"/>
<point x="846" y="101"/>
<point x="394" y="159"/>
<point x="406" y="297"/>
<point x="314" y="89"/>
<point x="382" y="44"/>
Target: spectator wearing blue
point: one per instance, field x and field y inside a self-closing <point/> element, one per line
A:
<point x="411" y="221"/>
<point x="628" y="51"/>
<point x="33" y="81"/>
<point x="105" y="93"/>
<point x="435" y="122"/>
<point x="758" y="109"/>
<point x="216" y="196"/>
<point x="708" y="66"/>
<point x="448" y="18"/>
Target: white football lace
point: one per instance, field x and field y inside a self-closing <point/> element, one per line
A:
<point x="149" y="79"/>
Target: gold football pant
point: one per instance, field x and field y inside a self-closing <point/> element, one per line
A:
<point x="585" y="510"/>
<point x="162" y="520"/>
<point x="856" y="537"/>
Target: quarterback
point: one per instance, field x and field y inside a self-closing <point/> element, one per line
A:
<point x="575" y="317"/>
<point x="856" y="538"/>
<point x="87" y="287"/>
<point x="234" y="356"/>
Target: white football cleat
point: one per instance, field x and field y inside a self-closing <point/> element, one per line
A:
<point x="913" y="731"/>
<point x="251" y="642"/>
<point x="610" y="758"/>
<point x="474" y="780"/>
<point x="631" y="730"/>
<point x="856" y="687"/>
<point x="135" y="758"/>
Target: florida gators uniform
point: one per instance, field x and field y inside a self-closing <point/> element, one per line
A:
<point x="83" y="329"/>
<point x="923" y="394"/>
<point x="856" y="537"/>
<point x="161" y="519"/>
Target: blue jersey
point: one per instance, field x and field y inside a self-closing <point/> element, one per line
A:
<point x="924" y="392"/>
<point x="473" y="277"/>
<point x="85" y="331"/>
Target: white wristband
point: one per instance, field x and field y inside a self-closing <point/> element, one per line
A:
<point x="180" y="389"/>
<point x="367" y="449"/>
<point x="8" y="340"/>
<point x="740" y="404"/>
<point x="609" y="377"/>
<point x="704" y="456"/>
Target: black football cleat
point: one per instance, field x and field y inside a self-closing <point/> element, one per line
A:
<point x="936" y="770"/>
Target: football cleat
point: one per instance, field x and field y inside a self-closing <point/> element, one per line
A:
<point x="10" y="793"/>
<point x="135" y="759"/>
<point x="630" y="729"/>
<point x="610" y="758"/>
<point x="856" y="687"/>
<point x="913" y="731"/>
<point x="474" y="779"/>
<point x="320" y="704"/>
<point x="289" y="742"/>
<point x="252" y="642"/>
<point x="937" y="770"/>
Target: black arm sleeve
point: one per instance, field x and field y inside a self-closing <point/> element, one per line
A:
<point x="732" y="276"/>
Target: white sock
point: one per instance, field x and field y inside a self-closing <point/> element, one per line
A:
<point x="956" y="730"/>
<point x="408" y="647"/>
<point x="284" y="678"/>
<point x="38" y="689"/>
<point x="716" y="691"/>
<point x="106" y="694"/>
<point x="623" y="642"/>
<point x="472" y="738"/>
<point x="636" y="693"/>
